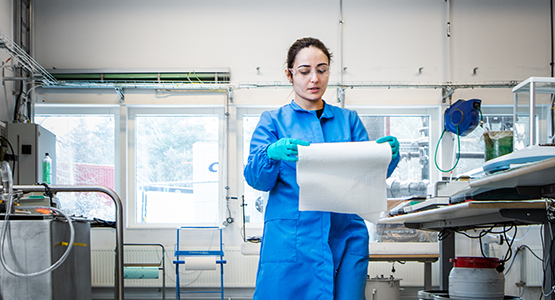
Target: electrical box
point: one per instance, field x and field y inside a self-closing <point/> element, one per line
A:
<point x="30" y="142"/>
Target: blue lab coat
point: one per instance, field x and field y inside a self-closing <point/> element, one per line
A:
<point x="305" y="254"/>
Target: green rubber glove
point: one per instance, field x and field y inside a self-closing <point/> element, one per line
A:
<point x="285" y="149"/>
<point x="393" y="143"/>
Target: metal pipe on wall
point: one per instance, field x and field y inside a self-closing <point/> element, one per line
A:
<point x="341" y="70"/>
<point x="449" y="64"/>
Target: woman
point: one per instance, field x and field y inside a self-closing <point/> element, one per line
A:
<point x="306" y="254"/>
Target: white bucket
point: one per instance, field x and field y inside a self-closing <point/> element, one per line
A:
<point x="475" y="278"/>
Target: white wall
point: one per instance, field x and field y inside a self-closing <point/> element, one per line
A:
<point x="506" y="40"/>
<point x="382" y="41"/>
<point x="241" y="35"/>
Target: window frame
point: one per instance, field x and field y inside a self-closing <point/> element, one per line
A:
<point x="80" y="109"/>
<point x="436" y="120"/>
<point x="132" y="111"/>
<point x="242" y="110"/>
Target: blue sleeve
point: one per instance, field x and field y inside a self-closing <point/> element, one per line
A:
<point x="392" y="165"/>
<point x="261" y="172"/>
<point x="358" y="131"/>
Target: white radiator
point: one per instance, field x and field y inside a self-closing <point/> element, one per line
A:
<point x="239" y="271"/>
<point x="533" y="269"/>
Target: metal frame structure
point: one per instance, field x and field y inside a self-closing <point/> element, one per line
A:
<point x="161" y="265"/>
<point x="197" y="253"/>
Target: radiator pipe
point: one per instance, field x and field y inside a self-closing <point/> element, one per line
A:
<point x="118" y="286"/>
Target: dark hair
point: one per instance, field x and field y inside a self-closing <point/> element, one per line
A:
<point x="300" y="44"/>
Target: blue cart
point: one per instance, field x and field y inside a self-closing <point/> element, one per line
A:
<point x="181" y="254"/>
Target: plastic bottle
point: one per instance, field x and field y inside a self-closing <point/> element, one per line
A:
<point x="47" y="169"/>
<point x="476" y="278"/>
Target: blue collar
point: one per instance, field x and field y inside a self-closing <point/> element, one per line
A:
<point x="327" y="114"/>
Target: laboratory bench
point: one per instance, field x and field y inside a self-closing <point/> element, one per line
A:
<point x="470" y="215"/>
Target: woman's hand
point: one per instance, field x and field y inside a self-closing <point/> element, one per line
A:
<point x="285" y="149"/>
<point x="393" y="143"/>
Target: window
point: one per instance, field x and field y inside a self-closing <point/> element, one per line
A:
<point x="85" y="150"/>
<point x="255" y="199"/>
<point x="176" y="158"/>
<point x="413" y="173"/>
<point x="413" y="135"/>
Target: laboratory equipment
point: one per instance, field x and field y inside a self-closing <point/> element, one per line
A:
<point x="526" y="172"/>
<point x="530" y="154"/>
<point x="463" y="116"/>
<point x="461" y="119"/>
<point x="533" y="111"/>
<point x="37" y="242"/>
<point x="383" y="288"/>
<point x="28" y="276"/>
<point x="30" y="143"/>
<point x="398" y="188"/>
<point x="446" y="189"/>
<point x="414" y="206"/>
<point x="531" y="181"/>
<point x="498" y="143"/>
<point x="118" y="282"/>
<point x="32" y="262"/>
<point x="437" y="194"/>
<point x="534" y="128"/>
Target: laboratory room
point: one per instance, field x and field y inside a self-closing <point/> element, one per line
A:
<point x="291" y="150"/>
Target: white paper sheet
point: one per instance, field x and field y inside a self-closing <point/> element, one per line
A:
<point x="344" y="177"/>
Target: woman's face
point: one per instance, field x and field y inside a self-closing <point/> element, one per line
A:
<point x="309" y="75"/>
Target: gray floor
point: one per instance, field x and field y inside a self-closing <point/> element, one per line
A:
<point x="229" y="294"/>
<point x="133" y="293"/>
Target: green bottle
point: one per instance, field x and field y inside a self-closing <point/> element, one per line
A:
<point x="47" y="169"/>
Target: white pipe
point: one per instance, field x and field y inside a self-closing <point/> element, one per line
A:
<point x="341" y="71"/>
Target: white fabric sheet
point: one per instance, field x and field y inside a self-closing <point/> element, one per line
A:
<point x="344" y="178"/>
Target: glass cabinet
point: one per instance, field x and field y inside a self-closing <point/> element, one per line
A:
<point x="534" y="97"/>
